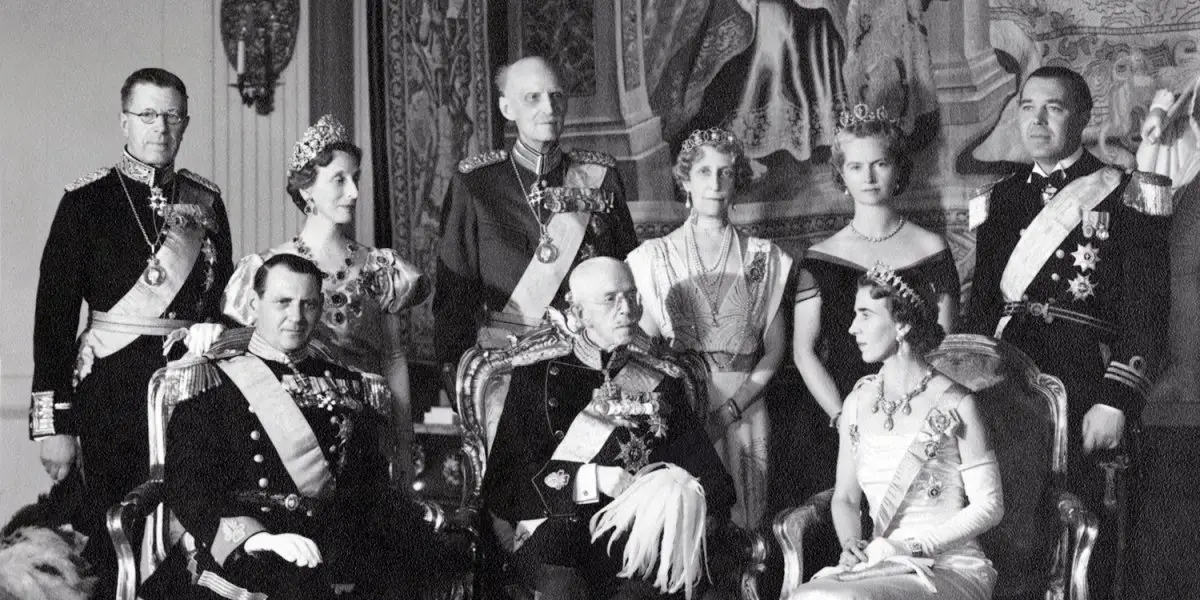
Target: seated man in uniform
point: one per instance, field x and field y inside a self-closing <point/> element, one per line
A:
<point x="275" y="467"/>
<point x="570" y="454"/>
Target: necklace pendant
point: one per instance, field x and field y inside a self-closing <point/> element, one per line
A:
<point x="887" y="423"/>
<point x="907" y="408"/>
<point x="875" y="407"/>
<point x="546" y="251"/>
<point x="155" y="274"/>
<point x="158" y="201"/>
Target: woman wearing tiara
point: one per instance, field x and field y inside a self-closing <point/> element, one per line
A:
<point x="914" y="443"/>
<point x="365" y="288"/>
<point x="707" y="288"/>
<point x="870" y="163"/>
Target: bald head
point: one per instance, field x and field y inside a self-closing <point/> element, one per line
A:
<point x="605" y="299"/>
<point x="532" y="97"/>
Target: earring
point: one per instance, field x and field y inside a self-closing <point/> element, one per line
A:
<point x="688" y="202"/>
<point x="310" y="208"/>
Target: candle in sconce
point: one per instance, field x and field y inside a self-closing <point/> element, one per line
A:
<point x="241" y="57"/>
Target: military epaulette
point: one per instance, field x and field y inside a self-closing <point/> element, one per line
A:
<point x="204" y="183"/>
<point x="656" y="357"/>
<point x="377" y="393"/>
<point x="89" y="178"/>
<point x="184" y="379"/>
<point x="471" y="163"/>
<point x="1150" y="194"/>
<point x="979" y="202"/>
<point x="589" y="156"/>
<point x="233" y="342"/>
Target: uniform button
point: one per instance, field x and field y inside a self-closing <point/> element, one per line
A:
<point x="265" y="509"/>
<point x="552" y="402"/>
<point x="332" y="449"/>
<point x="554" y="370"/>
<point x="559" y="434"/>
<point x="1022" y="233"/>
<point x="1025" y="298"/>
<point x="334" y="420"/>
<point x="1055" y="277"/>
<point x="258" y="458"/>
<point x="250" y="409"/>
<point x="171" y="315"/>
<point x="308" y="513"/>
<point x="1059" y="253"/>
<point x="264" y="482"/>
<point x="255" y="435"/>
<point x="328" y="373"/>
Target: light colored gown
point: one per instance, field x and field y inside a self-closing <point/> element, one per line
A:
<point x="961" y="572"/>
<point x="732" y="346"/>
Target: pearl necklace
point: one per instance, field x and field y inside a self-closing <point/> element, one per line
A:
<point x="703" y="275"/>
<point x="882" y="238"/>
<point x="903" y="404"/>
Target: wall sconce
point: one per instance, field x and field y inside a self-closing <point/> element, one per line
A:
<point x="259" y="37"/>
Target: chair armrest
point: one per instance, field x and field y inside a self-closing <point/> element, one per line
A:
<point x="789" y="527"/>
<point x="1079" y="527"/>
<point x="138" y="504"/>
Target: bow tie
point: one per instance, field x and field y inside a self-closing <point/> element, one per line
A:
<point x="1056" y="180"/>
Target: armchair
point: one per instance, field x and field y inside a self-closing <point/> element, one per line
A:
<point x="736" y="556"/>
<point x="1041" y="548"/>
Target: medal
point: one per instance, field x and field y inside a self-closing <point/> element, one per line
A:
<point x="546" y="251"/>
<point x="155" y="274"/>
<point x="157" y="200"/>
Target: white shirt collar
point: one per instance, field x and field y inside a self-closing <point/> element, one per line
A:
<point x="1062" y="165"/>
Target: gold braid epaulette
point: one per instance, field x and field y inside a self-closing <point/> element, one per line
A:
<point x="1149" y="194"/>
<point x="204" y="183"/>
<point x="471" y="163"/>
<point x="185" y="379"/>
<point x="377" y="394"/>
<point x="89" y="178"/>
<point x="590" y="156"/>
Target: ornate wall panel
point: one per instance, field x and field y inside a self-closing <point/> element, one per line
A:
<point x="433" y="89"/>
<point x="565" y="30"/>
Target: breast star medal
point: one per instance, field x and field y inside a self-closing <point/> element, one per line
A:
<point x="634" y="454"/>
<point x="1086" y="257"/>
<point x="1082" y="287"/>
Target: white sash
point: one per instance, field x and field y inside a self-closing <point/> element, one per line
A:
<point x="283" y="422"/>
<point x="1049" y="228"/>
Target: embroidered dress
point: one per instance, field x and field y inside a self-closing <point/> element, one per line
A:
<point x="351" y="331"/>
<point x="960" y="572"/>
<point x="731" y="340"/>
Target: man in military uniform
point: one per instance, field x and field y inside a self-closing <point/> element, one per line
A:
<point x="273" y="464"/>
<point x="598" y="405"/>
<point x="148" y="248"/>
<point x="518" y="219"/>
<point x="1071" y="268"/>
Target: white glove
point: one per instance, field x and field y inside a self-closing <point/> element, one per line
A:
<point x="981" y="481"/>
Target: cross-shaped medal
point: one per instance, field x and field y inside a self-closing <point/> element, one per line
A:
<point x="158" y="201"/>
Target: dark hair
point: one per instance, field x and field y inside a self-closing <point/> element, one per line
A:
<point x="1081" y="94"/>
<point x="154" y="76"/>
<point x="925" y="333"/>
<point x="291" y="262"/>
<point x="894" y="147"/>
<point x="689" y="154"/>
<point x="302" y="179"/>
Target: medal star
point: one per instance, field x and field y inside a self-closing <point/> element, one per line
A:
<point x="1086" y="257"/>
<point x="157" y="200"/>
<point x="1082" y="287"/>
<point x="634" y="454"/>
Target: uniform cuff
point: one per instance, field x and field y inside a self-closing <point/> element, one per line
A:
<point x="232" y="532"/>
<point x="50" y="416"/>
<point x="587" y="485"/>
<point x="555" y="485"/>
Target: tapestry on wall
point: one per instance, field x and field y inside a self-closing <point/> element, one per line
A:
<point x="431" y="107"/>
<point x="1125" y="50"/>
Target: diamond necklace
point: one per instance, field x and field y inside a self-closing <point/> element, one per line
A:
<point x="882" y="238"/>
<point x="154" y="274"/>
<point x="891" y="406"/>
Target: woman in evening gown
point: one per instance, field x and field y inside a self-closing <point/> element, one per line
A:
<point x="913" y="442"/>
<point x="705" y="287"/>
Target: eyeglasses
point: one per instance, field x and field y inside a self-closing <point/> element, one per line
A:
<point x="611" y="300"/>
<point x="149" y="116"/>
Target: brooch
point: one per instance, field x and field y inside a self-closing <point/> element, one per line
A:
<point x="557" y="480"/>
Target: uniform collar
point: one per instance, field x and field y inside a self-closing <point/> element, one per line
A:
<point x="1062" y="165"/>
<point x="593" y="357"/>
<point x="144" y="173"/>
<point x="529" y="158"/>
<point x="264" y="350"/>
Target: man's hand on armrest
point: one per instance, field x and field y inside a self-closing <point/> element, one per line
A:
<point x="289" y="546"/>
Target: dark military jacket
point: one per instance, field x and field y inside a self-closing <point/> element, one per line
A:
<point x="94" y="253"/>
<point x="1109" y="277"/>
<point x="489" y="234"/>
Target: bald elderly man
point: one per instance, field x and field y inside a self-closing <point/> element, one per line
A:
<point x="518" y="219"/>
<point x="559" y="456"/>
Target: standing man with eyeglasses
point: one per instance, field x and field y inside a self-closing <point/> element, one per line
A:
<point x="147" y="247"/>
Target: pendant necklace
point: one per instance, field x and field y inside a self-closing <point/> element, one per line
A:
<point x="703" y="275"/>
<point x="340" y="275"/>
<point x="546" y="251"/>
<point x="154" y="274"/>
<point x="903" y="404"/>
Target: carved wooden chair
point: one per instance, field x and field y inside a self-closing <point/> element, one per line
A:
<point x="736" y="556"/>
<point x="146" y="501"/>
<point x="1042" y="546"/>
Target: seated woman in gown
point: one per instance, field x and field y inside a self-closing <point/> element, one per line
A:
<point x="708" y="288"/>
<point x="914" y="443"/>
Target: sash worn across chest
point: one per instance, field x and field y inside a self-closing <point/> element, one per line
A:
<point x="1049" y="228"/>
<point x="283" y="422"/>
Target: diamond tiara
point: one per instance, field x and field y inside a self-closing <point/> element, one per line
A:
<point x="861" y="113"/>
<point x="885" y="276"/>
<point x="327" y="130"/>
<point x="709" y="137"/>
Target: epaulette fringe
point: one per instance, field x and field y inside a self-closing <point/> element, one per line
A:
<point x="472" y="163"/>
<point x="89" y="178"/>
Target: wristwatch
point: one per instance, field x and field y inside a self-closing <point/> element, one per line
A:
<point x="913" y="547"/>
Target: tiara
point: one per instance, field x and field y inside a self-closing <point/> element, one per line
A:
<point x="327" y="130"/>
<point x="709" y="137"/>
<point x="884" y="275"/>
<point x="861" y="113"/>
